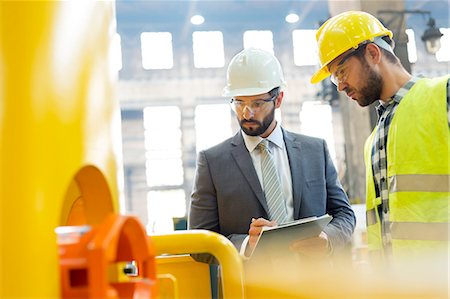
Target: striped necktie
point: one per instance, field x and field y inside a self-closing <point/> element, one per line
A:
<point x="272" y="185"/>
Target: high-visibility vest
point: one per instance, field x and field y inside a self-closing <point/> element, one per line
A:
<point x="418" y="174"/>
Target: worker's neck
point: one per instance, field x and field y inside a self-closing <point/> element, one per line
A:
<point x="393" y="80"/>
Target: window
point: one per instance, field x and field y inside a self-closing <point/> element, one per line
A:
<point x="305" y="47"/>
<point x="116" y="54"/>
<point x="162" y="207"/>
<point x="411" y="46"/>
<point x="157" y="50"/>
<point x="316" y="120"/>
<point x="208" y="49"/>
<point x="261" y="39"/>
<point x="278" y="116"/>
<point x="164" y="167"/>
<point x="163" y="146"/>
<point x="444" y="52"/>
<point x="212" y="124"/>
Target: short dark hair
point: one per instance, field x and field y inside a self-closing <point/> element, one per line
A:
<point x="391" y="57"/>
<point x="274" y="91"/>
<point x="389" y="41"/>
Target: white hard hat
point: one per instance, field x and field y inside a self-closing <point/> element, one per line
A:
<point x="251" y="72"/>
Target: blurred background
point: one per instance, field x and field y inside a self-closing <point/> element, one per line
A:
<point x="172" y="58"/>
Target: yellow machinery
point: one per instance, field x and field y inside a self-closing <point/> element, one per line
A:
<point x="60" y="147"/>
<point x="59" y="134"/>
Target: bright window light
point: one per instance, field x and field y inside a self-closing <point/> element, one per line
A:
<point x="261" y="39"/>
<point x="411" y="46"/>
<point x="208" y="49"/>
<point x="157" y="52"/>
<point x="162" y="207"/>
<point x="305" y="47"/>
<point x="212" y="124"/>
<point x="197" y="20"/>
<point x="444" y="52"/>
<point x="164" y="165"/>
<point x="316" y="120"/>
<point x="292" y="18"/>
<point x="278" y="117"/>
<point x="116" y="53"/>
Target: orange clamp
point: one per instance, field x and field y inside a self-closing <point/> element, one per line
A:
<point x="113" y="260"/>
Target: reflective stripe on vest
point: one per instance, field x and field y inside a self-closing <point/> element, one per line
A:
<point x="419" y="183"/>
<point x="371" y="217"/>
<point x="413" y="230"/>
<point x="419" y="231"/>
<point x="413" y="183"/>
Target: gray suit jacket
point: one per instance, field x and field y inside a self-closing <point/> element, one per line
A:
<point x="227" y="193"/>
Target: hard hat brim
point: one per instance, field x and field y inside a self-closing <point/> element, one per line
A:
<point x="320" y="75"/>
<point x="227" y="92"/>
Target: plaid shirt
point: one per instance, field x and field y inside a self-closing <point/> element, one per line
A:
<point x="379" y="160"/>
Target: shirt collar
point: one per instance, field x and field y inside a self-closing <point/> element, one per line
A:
<point x="398" y="96"/>
<point x="276" y="137"/>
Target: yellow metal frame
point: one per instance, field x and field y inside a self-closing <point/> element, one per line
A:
<point x="180" y="276"/>
<point x="203" y="241"/>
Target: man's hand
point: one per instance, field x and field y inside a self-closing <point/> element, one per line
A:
<point x="316" y="247"/>
<point x="256" y="227"/>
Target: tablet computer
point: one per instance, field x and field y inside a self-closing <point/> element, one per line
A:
<point x="276" y="240"/>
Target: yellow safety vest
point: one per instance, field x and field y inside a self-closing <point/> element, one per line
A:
<point x="418" y="174"/>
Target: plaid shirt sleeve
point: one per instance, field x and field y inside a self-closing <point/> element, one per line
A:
<point x="448" y="101"/>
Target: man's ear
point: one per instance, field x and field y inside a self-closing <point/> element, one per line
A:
<point x="373" y="53"/>
<point x="279" y="99"/>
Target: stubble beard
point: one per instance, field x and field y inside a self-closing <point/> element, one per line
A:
<point x="371" y="91"/>
<point x="262" y="126"/>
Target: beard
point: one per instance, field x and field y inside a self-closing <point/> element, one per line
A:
<point x="262" y="126"/>
<point x="371" y="91"/>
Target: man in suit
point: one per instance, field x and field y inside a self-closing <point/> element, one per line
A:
<point x="230" y="193"/>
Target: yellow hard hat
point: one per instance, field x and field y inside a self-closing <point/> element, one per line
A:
<point x="343" y="32"/>
<point x="252" y="72"/>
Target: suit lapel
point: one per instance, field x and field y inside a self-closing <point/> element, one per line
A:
<point x="296" y="162"/>
<point x="245" y="164"/>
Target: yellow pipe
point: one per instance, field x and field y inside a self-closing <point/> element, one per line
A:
<point x="58" y="122"/>
<point x="203" y="241"/>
